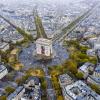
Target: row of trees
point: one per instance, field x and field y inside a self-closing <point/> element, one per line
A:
<point x="78" y="53"/>
<point x="95" y="88"/>
<point x="55" y="71"/>
<point x="77" y="57"/>
<point x="71" y="66"/>
<point x="26" y="35"/>
<point x="8" y="91"/>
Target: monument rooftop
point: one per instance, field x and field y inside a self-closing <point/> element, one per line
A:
<point x="44" y="41"/>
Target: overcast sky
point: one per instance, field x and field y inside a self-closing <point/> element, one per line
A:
<point x="19" y="1"/>
<point x="28" y="2"/>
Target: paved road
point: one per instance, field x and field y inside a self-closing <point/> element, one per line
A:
<point x="14" y="26"/>
<point x="24" y="33"/>
<point x="67" y="30"/>
<point x="39" y="26"/>
<point x="51" y="95"/>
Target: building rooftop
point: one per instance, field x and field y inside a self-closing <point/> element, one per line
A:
<point x="15" y="93"/>
<point x="85" y="66"/>
<point x="30" y="91"/>
<point x="65" y="79"/>
<point x="80" y="91"/>
<point x="2" y="68"/>
<point x="97" y="69"/>
<point x="35" y="79"/>
<point x="3" y="45"/>
<point x="96" y="75"/>
<point x="96" y="79"/>
<point x="33" y="94"/>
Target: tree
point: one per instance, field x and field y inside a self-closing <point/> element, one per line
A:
<point x="93" y="60"/>
<point x="18" y="81"/>
<point x="60" y="97"/>
<point x="9" y="90"/>
<point x="95" y="88"/>
<point x="10" y="76"/>
<point x="83" y="56"/>
<point x="21" y="80"/>
<point x="79" y="75"/>
<point x="3" y="98"/>
<point x="71" y="65"/>
<point x="84" y="49"/>
<point x="43" y="83"/>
